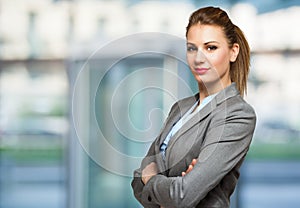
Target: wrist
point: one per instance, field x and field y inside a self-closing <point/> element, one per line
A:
<point x="145" y="179"/>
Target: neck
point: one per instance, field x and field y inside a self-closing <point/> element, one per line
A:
<point x="209" y="89"/>
<point x="203" y="93"/>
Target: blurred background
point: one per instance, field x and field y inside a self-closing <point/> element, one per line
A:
<point x="50" y="97"/>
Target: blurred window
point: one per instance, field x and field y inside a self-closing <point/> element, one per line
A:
<point x="33" y="127"/>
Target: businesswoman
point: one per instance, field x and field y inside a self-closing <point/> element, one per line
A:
<point x="195" y="160"/>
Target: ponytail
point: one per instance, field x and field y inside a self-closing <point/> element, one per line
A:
<point x="239" y="69"/>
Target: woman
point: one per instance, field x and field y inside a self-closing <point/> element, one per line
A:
<point x="195" y="160"/>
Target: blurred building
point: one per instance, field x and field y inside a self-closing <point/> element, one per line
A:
<point x="50" y="29"/>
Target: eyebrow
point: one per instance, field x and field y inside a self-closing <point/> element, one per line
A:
<point x="206" y="43"/>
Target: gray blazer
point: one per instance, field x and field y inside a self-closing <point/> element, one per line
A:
<point x="219" y="135"/>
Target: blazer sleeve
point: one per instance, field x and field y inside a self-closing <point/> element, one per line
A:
<point x="137" y="184"/>
<point x="226" y="144"/>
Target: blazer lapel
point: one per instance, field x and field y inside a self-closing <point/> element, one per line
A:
<point x="180" y="109"/>
<point x="228" y="92"/>
<point x="198" y="117"/>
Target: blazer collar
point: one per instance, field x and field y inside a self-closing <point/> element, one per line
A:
<point x="230" y="91"/>
<point x="226" y="93"/>
<point x="187" y="103"/>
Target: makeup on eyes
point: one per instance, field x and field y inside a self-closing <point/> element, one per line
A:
<point x="209" y="46"/>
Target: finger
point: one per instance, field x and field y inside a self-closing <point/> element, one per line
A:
<point x="194" y="161"/>
<point x="183" y="173"/>
<point x="189" y="168"/>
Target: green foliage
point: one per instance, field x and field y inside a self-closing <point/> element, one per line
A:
<point x="32" y="155"/>
<point x="274" y="151"/>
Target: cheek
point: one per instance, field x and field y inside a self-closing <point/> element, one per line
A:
<point x="190" y="60"/>
<point x="219" y="59"/>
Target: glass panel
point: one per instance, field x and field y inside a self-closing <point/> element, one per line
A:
<point x="129" y="101"/>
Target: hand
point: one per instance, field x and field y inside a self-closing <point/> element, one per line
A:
<point x="190" y="168"/>
<point x="149" y="171"/>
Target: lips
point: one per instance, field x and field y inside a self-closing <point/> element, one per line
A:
<point x="201" y="71"/>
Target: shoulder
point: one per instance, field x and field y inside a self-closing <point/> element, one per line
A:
<point x="184" y="103"/>
<point x="236" y="111"/>
<point x="188" y="100"/>
<point x="239" y="105"/>
<point x="230" y="101"/>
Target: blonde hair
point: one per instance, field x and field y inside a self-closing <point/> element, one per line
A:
<point x="239" y="69"/>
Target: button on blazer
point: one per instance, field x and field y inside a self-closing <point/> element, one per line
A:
<point x="219" y="136"/>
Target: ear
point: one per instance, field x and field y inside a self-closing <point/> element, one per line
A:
<point x="234" y="52"/>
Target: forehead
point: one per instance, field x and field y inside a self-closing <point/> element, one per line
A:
<point x="205" y="33"/>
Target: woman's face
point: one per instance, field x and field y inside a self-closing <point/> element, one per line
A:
<point x="209" y="56"/>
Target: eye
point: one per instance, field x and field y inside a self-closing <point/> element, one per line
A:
<point x="192" y="49"/>
<point x="211" y="48"/>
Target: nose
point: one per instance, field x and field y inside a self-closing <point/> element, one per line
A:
<point x="200" y="57"/>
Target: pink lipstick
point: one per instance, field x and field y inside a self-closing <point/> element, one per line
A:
<point x="201" y="71"/>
